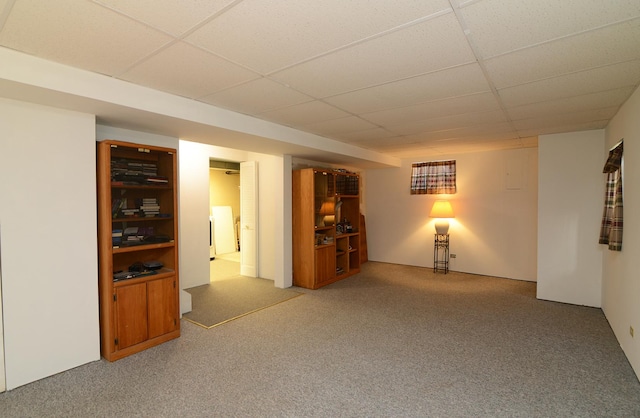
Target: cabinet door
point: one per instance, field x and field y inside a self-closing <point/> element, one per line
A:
<point x="131" y="315"/>
<point x="325" y="265"/>
<point x="163" y="307"/>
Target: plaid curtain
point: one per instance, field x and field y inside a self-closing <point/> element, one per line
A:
<point x="437" y="177"/>
<point x="611" y="228"/>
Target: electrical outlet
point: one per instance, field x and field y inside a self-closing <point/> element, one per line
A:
<point x="452" y="256"/>
<point x="631" y="331"/>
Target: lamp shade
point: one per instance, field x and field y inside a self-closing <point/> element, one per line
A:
<point x="327" y="207"/>
<point x="441" y="209"/>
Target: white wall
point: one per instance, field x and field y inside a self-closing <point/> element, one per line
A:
<point x="494" y="232"/>
<point x="193" y="166"/>
<point x="620" y="281"/>
<point x="49" y="248"/>
<point x="570" y="204"/>
<point x="274" y="219"/>
<point x="109" y="132"/>
<point x="194" y="212"/>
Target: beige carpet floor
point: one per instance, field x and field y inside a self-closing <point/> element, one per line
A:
<point x="392" y="341"/>
<point x="229" y="295"/>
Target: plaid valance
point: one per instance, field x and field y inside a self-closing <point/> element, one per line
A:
<point x="614" y="161"/>
<point x="611" y="227"/>
<point x="434" y="177"/>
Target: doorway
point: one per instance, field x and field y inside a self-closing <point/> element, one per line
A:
<point x="224" y="221"/>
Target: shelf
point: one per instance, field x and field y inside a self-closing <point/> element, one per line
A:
<point x="160" y="274"/>
<point x="320" y="197"/>
<point x="142" y="247"/>
<point x="143" y="219"/>
<point x="139" y="312"/>
<point x="340" y="235"/>
<point x="140" y="187"/>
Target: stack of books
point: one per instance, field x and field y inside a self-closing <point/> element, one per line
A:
<point x="156" y="180"/>
<point x="131" y="172"/>
<point x="116" y="237"/>
<point x="131" y="236"/>
<point x="150" y="207"/>
<point x="129" y="213"/>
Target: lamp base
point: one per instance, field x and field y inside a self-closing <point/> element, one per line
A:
<point x="442" y="227"/>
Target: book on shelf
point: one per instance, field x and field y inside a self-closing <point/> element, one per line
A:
<point x="116" y="237"/>
<point x="116" y="206"/>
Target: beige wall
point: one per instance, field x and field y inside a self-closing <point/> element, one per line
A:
<point x="49" y="249"/>
<point x="620" y="281"/>
<point x="570" y="202"/>
<point x="224" y="190"/>
<point x="494" y="231"/>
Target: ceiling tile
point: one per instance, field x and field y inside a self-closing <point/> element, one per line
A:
<point x="499" y="26"/>
<point x="187" y="71"/>
<point x="381" y="144"/>
<point x="550" y="121"/>
<point x="577" y="127"/>
<point x="301" y="29"/>
<point x="172" y="16"/>
<point x="487" y="144"/>
<point x="438" y="108"/>
<point x="575" y="84"/>
<point x="396" y="76"/>
<point x="366" y="135"/>
<point x="304" y="114"/>
<point x="337" y="126"/>
<point x="457" y="81"/>
<point x="600" y="100"/>
<point x="490" y="130"/>
<point x="449" y="122"/>
<point x="80" y="34"/>
<point x="256" y="96"/>
<point x="426" y="47"/>
<point x="610" y="45"/>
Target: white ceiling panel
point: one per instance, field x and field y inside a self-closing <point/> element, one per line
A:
<point x="394" y="76"/>
<point x="550" y="121"/>
<point x="592" y="101"/>
<point x="503" y="130"/>
<point x="383" y="144"/>
<point x="429" y="46"/>
<point x="500" y="26"/>
<point x="435" y="109"/>
<point x="80" y="34"/>
<point x="457" y="81"/>
<point x="338" y="126"/>
<point x="575" y="84"/>
<point x="449" y="122"/>
<point x="610" y="45"/>
<point x="187" y="71"/>
<point x="172" y="16"/>
<point x="577" y="127"/>
<point x="302" y="29"/>
<point x="368" y="134"/>
<point x="304" y="114"/>
<point x="485" y="144"/>
<point x="257" y="96"/>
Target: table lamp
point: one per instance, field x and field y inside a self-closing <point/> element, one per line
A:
<point x="442" y="210"/>
<point x="326" y="216"/>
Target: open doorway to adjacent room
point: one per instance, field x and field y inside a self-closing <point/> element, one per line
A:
<point x="224" y="220"/>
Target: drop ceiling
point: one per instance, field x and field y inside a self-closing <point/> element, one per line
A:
<point x="401" y="77"/>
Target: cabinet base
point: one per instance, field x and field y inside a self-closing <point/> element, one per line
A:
<point x="117" y="355"/>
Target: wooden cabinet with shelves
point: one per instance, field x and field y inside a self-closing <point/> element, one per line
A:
<point x="138" y="247"/>
<point x="326" y="224"/>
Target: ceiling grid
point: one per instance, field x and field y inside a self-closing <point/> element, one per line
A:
<point x="397" y="78"/>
